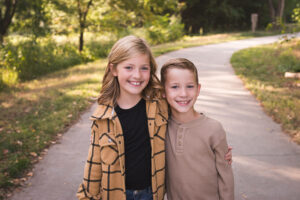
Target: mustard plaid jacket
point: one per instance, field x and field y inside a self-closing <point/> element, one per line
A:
<point x="104" y="172"/>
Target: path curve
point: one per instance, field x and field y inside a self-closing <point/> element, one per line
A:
<point x="266" y="163"/>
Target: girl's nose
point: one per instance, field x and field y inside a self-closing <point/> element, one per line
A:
<point x="136" y="73"/>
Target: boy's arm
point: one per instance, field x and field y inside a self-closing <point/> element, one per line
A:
<point x="90" y="187"/>
<point x="225" y="174"/>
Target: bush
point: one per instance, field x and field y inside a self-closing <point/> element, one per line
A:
<point x="32" y="58"/>
<point x="164" y="29"/>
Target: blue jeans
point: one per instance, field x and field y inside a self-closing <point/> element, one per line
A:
<point x="145" y="194"/>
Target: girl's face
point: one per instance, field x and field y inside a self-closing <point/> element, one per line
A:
<point x="181" y="91"/>
<point x="133" y="75"/>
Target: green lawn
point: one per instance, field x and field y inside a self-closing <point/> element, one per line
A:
<point x="262" y="70"/>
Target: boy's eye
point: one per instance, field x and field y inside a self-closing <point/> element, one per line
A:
<point x="190" y="86"/>
<point x="145" y="68"/>
<point x="174" y="86"/>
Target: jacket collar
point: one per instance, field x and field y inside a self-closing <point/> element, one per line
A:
<point x="104" y="111"/>
<point x="107" y="111"/>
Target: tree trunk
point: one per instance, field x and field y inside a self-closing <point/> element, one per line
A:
<point x="10" y="8"/>
<point x="272" y="11"/>
<point x="82" y="13"/>
<point x="81" y="39"/>
<point x="280" y="8"/>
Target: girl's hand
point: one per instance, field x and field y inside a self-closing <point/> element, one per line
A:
<point x="228" y="155"/>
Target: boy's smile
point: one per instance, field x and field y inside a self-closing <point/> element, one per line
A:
<point x="181" y="91"/>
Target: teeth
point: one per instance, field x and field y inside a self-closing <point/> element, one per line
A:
<point x="183" y="102"/>
<point x="135" y="83"/>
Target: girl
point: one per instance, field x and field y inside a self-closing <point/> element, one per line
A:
<point x="126" y="158"/>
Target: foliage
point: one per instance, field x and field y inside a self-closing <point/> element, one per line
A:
<point x="164" y="29"/>
<point x="220" y="15"/>
<point x="32" y="17"/>
<point x="33" y="58"/>
<point x="296" y="14"/>
<point x="262" y="69"/>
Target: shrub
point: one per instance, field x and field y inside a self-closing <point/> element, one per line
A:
<point x="164" y="29"/>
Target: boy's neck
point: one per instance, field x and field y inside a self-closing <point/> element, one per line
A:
<point x="127" y="102"/>
<point x="185" y="117"/>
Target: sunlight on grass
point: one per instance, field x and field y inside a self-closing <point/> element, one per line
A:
<point x="262" y="70"/>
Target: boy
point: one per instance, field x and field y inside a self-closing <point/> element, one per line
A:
<point x="195" y="144"/>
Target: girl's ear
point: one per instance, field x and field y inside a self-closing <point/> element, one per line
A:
<point x="113" y="70"/>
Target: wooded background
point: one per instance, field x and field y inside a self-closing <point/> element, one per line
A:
<point x="41" y="36"/>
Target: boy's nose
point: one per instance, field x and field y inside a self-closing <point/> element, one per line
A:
<point x="183" y="92"/>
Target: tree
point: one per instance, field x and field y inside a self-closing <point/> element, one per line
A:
<point x="82" y="9"/>
<point x="8" y="8"/>
<point x="276" y="15"/>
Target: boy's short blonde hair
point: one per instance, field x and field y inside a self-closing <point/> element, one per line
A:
<point x="178" y="63"/>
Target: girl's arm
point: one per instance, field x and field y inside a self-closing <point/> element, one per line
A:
<point x="90" y="187"/>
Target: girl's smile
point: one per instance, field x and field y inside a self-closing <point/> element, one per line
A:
<point x="133" y="76"/>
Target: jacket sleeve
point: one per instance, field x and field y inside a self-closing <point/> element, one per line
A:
<point x="225" y="174"/>
<point x="90" y="187"/>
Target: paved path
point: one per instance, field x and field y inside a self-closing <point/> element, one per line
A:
<point x="266" y="164"/>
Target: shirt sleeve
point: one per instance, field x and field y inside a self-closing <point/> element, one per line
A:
<point x="225" y="174"/>
<point x="90" y="187"/>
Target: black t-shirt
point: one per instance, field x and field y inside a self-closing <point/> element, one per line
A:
<point x="137" y="146"/>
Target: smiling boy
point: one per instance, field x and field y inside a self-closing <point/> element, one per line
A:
<point x="195" y="144"/>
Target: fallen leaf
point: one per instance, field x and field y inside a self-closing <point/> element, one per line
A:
<point x="19" y="143"/>
<point x="33" y="154"/>
<point x="70" y="115"/>
<point x="30" y="174"/>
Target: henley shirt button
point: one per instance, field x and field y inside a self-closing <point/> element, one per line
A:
<point x="180" y="136"/>
<point x="179" y="143"/>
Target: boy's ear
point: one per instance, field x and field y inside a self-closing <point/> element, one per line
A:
<point x="113" y="70"/>
<point x="198" y="89"/>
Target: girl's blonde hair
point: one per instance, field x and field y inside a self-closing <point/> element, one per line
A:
<point x="123" y="50"/>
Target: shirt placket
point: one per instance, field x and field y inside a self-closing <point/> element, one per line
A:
<point x="179" y="146"/>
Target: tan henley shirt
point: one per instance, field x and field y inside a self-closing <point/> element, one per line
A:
<point x="196" y="165"/>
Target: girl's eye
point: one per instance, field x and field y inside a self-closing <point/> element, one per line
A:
<point x="190" y="86"/>
<point x="174" y="86"/>
<point x="128" y="67"/>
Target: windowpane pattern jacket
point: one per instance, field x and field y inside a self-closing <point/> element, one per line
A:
<point x="104" y="172"/>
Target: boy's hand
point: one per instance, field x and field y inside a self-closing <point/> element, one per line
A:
<point x="228" y="155"/>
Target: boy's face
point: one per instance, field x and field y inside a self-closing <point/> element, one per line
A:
<point x="181" y="90"/>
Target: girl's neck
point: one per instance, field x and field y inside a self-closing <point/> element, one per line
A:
<point x="185" y="117"/>
<point x="127" y="102"/>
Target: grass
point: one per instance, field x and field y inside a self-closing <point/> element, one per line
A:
<point x="35" y="113"/>
<point x="262" y="70"/>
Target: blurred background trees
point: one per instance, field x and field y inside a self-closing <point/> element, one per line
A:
<point x="41" y="36"/>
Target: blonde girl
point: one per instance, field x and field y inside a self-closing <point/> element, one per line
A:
<point x="126" y="158"/>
